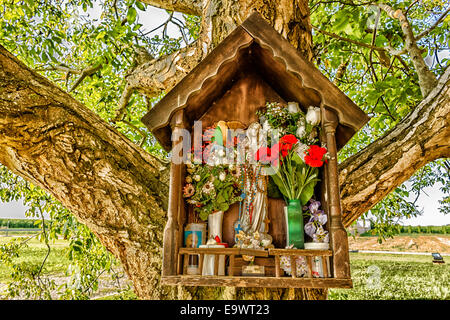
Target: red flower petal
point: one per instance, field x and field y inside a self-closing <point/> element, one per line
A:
<point x="263" y="154"/>
<point x="289" y="139"/>
<point x="313" y="162"/>
<point x="314" y="156"/>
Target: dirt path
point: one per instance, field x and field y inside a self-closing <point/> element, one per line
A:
<point x="419" y="243"/>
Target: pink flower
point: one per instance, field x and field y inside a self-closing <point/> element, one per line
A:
<point x="188" y="190"/>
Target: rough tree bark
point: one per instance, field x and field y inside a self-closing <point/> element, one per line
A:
<point x="115" y="188"/>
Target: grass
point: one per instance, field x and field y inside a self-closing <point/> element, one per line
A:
<point x="395" y="277"/>
<point x="57" y="261"/>
<point x="125" y="295"/>
<point x="406" y="234"/>
<point x="375" y="276"/>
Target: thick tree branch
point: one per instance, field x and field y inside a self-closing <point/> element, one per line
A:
<point x="158" y="75"/>
<point x="193" y="7"/>
<point x="108" y="182"/>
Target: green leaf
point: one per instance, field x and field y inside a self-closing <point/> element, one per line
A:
<point x="44" y="56"/>
<point x="218" y="137"/>
<point x="281" y="187"/>
<point x="140" y="6"/>
<point x="223" y="207"/>
<point x="272" y="189"/>
<point x="307" y="193"/>
<point x="131" y="15"/>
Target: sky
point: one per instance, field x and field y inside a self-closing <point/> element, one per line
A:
<point x="152" y="18"/>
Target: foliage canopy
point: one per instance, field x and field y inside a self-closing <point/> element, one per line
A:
<point x="88" y="47"/>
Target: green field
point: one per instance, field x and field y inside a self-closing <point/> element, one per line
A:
<point x="34" y="253"/>
<point x="395" y="277"/>
<point x="375" y="276"/>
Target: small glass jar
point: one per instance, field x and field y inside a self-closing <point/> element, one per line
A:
<point x="317" y="263"/>
<point x="194" y="237"/>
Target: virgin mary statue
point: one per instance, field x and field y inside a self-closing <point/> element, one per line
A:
<point x="254" y="216"/>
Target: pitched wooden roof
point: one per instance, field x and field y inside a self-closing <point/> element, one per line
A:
<point x="254" y="42"/>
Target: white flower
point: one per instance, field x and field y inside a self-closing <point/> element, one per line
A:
<point x="301" y="266"/>
<point x="314" y="206"/>
<point x="301" y="131"/>
<point x="208" y="188"/>
<point x="313" y="115"/>
<point x="221" y="153"/>
<point x="266" y="242"/>
<point x="255" y="243"/>
<point x="301" y="149"/>
<point x="293" y="107"/>
<point x="197" y="177"/>
<point x="266" y="126"/>
<point x="322" y="218"/>
<point x="222" y="176"/>
<point x="310" y="229"/>
<point x="321" y="235"/>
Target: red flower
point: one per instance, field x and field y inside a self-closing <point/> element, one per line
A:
<point x="289" y="139"/>
<point x="314" y="156"/>
<point x="286" y="143"/>
<point x="263" y="154"/>
<point x="266" y="155"/>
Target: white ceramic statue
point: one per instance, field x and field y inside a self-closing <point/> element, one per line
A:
<point x="255" y="216"/>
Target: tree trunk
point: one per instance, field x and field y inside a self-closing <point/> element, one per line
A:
<point x="119" y="191"/>
<point x="219" y="18"/>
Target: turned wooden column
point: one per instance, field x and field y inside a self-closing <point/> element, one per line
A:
<point x="338" y="234"/>
<point x="173" y="231"/>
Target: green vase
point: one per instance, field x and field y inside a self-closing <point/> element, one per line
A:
<point x="294" y="224"/>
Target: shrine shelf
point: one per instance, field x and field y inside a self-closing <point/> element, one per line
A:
<point x="272" y="257"/>
<point x="262" y="282"/>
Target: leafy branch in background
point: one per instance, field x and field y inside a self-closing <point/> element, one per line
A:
<point x="90" y="59"/>
<point x="88" y="258"/>
<point x="363" y="48"/>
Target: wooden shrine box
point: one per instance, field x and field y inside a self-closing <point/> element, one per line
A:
<point x="253" y="65"/>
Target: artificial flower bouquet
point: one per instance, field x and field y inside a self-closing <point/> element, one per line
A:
<point x="212" y="184"/>
<point x="295" y="159"/>
<point x="211" y="188"/>
<point x="296" y="156"/>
